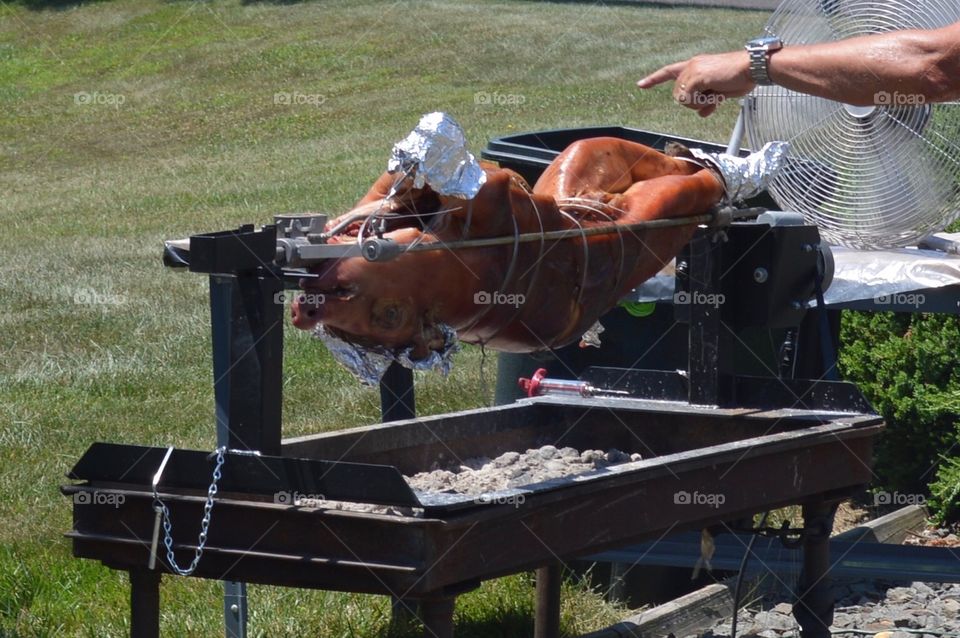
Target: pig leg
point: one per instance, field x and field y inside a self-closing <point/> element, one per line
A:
<point x="662" y="198"/>
<point x="600" y="167"/>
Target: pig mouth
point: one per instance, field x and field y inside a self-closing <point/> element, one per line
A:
<point x="308" y="307"/>
<point x="416" y="212"/>
<point x="342" y="292"/>
<point x="326" y="283"/>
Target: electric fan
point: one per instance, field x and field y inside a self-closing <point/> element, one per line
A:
<point x="879" y="176"/>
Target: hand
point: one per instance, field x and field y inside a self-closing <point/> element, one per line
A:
<point x="705" y="81"/>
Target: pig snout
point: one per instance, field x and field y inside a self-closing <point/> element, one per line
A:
<point x="305" y="310"/>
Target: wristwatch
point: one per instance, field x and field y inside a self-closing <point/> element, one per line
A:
<point x="760" y="50"/>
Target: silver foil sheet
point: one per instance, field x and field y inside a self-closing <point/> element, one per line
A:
<point x="369" y="364"/>
<point x="880" y="275"/>
<point x="745" y="177"/>
<point x="859" y="275"/>
<point x="591" y="338"/>
<point x="435" y="154"/>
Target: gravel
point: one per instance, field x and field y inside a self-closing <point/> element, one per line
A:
<point x="934" y="537"/>
<point x="878" y="609"/>
<point x="882" y="610"/>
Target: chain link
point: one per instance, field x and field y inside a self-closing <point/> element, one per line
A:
<point x="161" y="508"/>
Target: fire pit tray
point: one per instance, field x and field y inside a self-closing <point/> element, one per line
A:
<point x="701" y="465"/>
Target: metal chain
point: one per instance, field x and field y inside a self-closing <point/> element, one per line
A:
<point x="161" y="508"/>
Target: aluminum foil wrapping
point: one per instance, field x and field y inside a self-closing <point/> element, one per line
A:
<point x="591" y="338"/>
<point x="859" y="275"/>
<point x="435" y="154"/>
<point x="880" y="275"/>
<point x="745" y="177"/>
<point x="369" y="364"/>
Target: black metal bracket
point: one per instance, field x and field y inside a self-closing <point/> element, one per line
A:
<point x="246" y="316"/>
<point x="745" y="275"/>
<point x="708" y="342"/>
<point x="246" y="312"/>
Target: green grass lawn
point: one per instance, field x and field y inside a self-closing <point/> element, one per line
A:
<point x="125" y="123"/>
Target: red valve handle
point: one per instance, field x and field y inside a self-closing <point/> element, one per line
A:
<point x="531" y="386"/>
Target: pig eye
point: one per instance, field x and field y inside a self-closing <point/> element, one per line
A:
<point x="388" y="314"/>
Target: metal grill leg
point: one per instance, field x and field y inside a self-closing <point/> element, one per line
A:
<point x="437" y="617"/>
<point x="814" y="607"/>
<point x="144" y="603"/>
<point x="547" y="621"/>
<point x="398" y="402"/>
<point x="402" y="612"/>
<point x="235" y="609"/>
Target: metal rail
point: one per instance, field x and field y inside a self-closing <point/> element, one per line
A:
<point x="854" y="559"/>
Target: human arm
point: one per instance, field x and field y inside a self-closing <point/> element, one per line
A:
<point x="923" y="63"/>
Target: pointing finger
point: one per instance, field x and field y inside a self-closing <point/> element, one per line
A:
<point x="669" y="72"/>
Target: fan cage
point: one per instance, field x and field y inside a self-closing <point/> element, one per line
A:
<point x="875" y="177"/>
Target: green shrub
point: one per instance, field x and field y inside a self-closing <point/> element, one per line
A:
<point x="908" y="366"/>
<point x="945" y="491"/>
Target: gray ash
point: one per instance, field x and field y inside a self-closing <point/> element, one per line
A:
<point x="514" y="469"/>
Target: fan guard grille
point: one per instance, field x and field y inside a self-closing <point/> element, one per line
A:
<point x="873" y="177"/>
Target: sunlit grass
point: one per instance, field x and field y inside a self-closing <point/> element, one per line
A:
<point x="125" y="123"/>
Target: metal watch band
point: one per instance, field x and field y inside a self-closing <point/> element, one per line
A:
<point x="760" y="67"/>
<point x="760" y="50"/>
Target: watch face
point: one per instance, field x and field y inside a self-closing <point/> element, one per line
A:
<point x="765" y="43"/>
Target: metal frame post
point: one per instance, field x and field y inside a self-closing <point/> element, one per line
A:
<point x="144" y="603"/>
<point x="247" y="320"/>
<point x="398" y="402"/>
<point x="246" y="312"/>
<point x="397" y="398"/>
<point x="708" y="345"/>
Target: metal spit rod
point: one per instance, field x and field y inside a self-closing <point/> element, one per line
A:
<point x="303" y="251"/>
